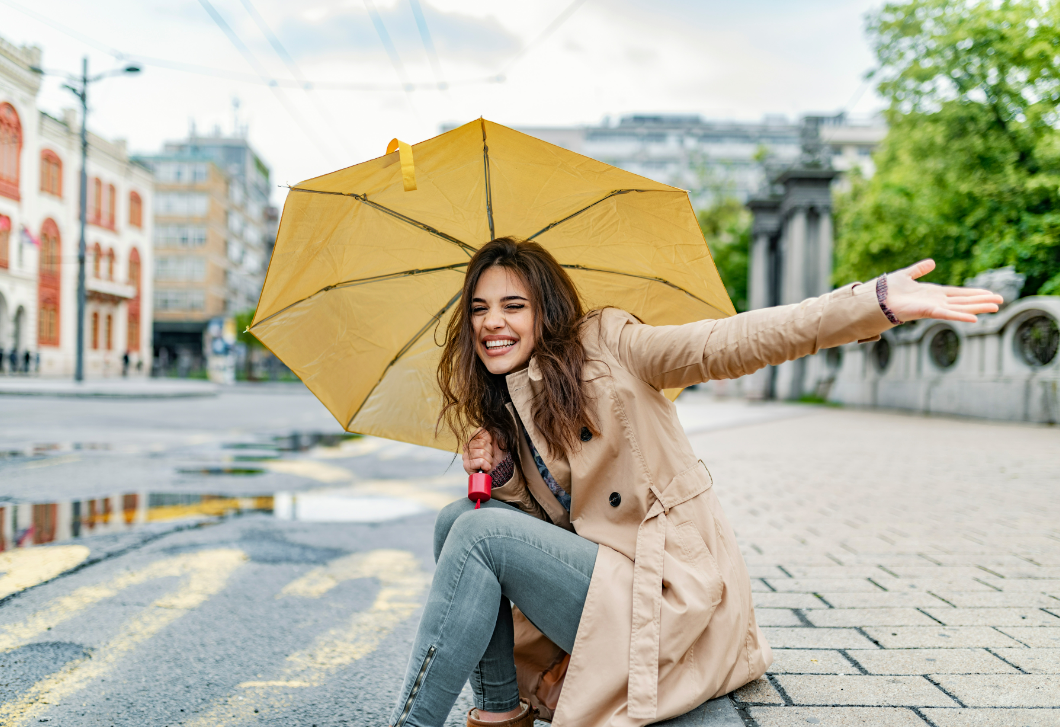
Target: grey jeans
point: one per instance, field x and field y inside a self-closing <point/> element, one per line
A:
<point x="488" y="559"/>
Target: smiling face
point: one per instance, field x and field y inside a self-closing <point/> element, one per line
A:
<point x="503" y="320"/>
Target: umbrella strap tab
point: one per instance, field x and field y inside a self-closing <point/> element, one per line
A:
<point x="408" y="170"/>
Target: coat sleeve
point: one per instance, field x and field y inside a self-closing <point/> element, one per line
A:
<point x="676" y="356"/>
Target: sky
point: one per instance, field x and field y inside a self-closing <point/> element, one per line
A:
<point x="380" y="69"/>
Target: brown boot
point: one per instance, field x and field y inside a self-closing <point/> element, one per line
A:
<point x="525" y="718"/>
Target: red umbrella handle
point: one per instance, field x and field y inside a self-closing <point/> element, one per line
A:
<point x="478" y="487"/>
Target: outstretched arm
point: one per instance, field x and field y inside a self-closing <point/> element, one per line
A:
<point x="676" y="356"/>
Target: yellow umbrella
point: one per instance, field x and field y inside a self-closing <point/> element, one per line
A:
<point x="369" y="262"/>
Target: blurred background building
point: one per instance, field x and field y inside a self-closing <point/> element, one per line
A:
<point x="40" y="167"/>
<point x="214" y="231"/>
<point x="714" y="157"/>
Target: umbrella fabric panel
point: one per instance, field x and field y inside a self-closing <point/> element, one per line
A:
<point x="405" y="403"/>
<point x="643" y="234"/>
<point x="341" y="342"/>
<point x="534" y="184"/>
<point x="328" y="240"/>
<point x="450" y="180"/>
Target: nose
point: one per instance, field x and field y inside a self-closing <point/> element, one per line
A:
<point x="494" y="320"/>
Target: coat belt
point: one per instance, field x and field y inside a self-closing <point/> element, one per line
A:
<point x="648" y="562"/>
<point x="647" y="614"/>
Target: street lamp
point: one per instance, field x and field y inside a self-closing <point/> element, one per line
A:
<point x="81" y="91"/>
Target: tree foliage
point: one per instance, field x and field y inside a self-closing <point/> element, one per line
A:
<point x="726" y="225"/>
<point x="969" y="173"/>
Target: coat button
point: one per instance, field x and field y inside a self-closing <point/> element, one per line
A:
<point x="615" y="499"/>
<point x="586" y="434"/>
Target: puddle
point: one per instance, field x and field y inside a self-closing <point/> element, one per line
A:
<point x="28" y="524"/>
<point x="221" y="471"/>
<point x="305" y="441"/>
<point x="47" y="448"/>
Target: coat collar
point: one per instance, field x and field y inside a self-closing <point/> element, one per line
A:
<point x="518" y="379"/>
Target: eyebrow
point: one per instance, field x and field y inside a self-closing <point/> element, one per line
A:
<point x="505" y="298"/>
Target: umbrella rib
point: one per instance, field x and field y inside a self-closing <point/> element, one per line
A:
<point x="362" y="281"/>
<point x="642" y="277"/>
<point x="405" y="349"/>
<point x="589" y="207"/>
<point x="363" y="199"/>
<point x="489" y="189"/>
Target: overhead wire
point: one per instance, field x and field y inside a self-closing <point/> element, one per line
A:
<point x="428" y="44"/>
<point x="543" y="35"/>
<point x="260" y="70"/>
<point x="292" y="66"/>
<point x="391" y="51"/>
<point x="236" y="75"/>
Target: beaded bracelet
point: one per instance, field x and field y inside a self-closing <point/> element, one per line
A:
<point x="881" y="296"/>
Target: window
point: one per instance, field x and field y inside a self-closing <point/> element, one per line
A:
<point x="5" y="239"/>
<point x="134" y="269"/>
<point x="136" y="210"/>
<point x="10" y="150"/>
<point x="182" y="300"/>
<point x="48" y="335"/>
<point x="182" y="204"/>
<point x="111" y="204"/>
<point x="110" y="264"/>
<point x="96" y="205"/>
<point x="185" y="267"/>
<point x="95" y="331"/>
<point x="49" y="249"/>
<point x="97" y="255"/>
<point x="51" y="173"/>
<point x="48" y="293"/>
<point x="109" y="332"/>
<point x="179" y="236"/>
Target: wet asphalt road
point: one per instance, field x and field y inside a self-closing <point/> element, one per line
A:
<point x="298" y="610"/>
<point x="195" y="626"/>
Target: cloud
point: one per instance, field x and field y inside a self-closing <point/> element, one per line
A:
<point x="456" y="36"/>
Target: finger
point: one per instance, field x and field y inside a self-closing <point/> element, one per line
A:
<point x="954" y="290"/>
<point x="973" y="308"/>
<point x="919" y="269"/>
<point x="481" y="463"/>
<point x="965" y="299"/>
<point x="943" y="314"/>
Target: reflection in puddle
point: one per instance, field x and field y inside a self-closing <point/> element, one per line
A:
<point x="26" y="524"/>
<point x="221" y="471"/>
<point x="38" y="450"/>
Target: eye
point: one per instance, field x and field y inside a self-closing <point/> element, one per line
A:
<point x="479" y="309"/>
<point x="515" y="306"/>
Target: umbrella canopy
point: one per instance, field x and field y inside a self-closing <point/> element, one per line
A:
<point x="369" y="262"/>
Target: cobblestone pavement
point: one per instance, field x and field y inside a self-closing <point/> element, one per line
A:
<point x="906" y="569"/>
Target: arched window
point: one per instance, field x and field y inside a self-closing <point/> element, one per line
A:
<point x="49" y="248"/>
<point x="110" y="332"/>
<point x="97" y="255"/>
<point x="48" y="293"/>
<point x="111" y="201"/>
<point x="136" y="210"/>
<point x="51" y="173"/>
<point x="95" y="331"/>
<point x="10" y="150"/>
<point x="134" y="269"/>
<point x="110" y="264"/>
<point x="5" y="239"/>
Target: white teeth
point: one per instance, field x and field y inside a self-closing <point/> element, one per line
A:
<point x="499" y="344"/>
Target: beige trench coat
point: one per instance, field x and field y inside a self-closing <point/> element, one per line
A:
<point x="668" y="621"/>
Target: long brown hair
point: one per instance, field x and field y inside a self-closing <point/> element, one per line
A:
<point x="473" y="397"/>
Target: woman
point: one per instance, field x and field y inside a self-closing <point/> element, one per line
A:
<point x="632" y="602"/>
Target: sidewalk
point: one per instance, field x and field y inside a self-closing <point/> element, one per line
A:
<point x="905" y="569"/>
<point x="132" y="388"/>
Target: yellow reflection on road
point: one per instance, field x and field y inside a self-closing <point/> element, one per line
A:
<point x="21" y="569"/>
<point x="204" y="574"/>
<point x="401" y="584"/>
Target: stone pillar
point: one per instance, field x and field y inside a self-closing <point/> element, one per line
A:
<point x="761" y="284"/>
<point x="825" y="244"/>
<point x="793" y="245"/>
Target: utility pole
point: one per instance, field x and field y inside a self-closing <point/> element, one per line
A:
<point x="81" y="91"/>
<point x="79" y="368"/>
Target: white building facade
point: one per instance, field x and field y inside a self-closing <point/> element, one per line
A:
<point x="40" y="167"/>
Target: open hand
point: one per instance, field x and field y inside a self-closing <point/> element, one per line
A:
<point x="481" y="453"/>
<point x="910" y="300"/>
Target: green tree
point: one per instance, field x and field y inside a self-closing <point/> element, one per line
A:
<point x="726" y="225"/>
<point x="969" y="173"/>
